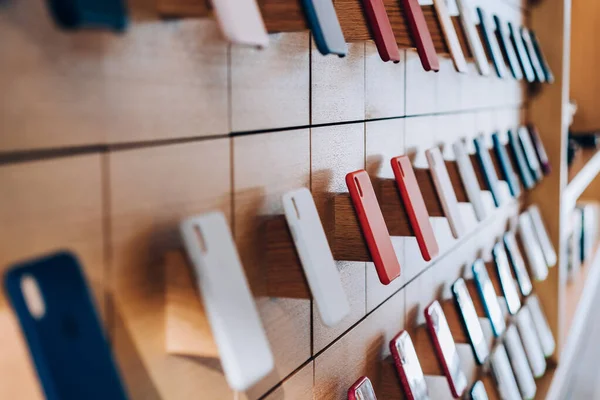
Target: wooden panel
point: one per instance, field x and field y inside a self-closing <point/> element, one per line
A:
<point x="338" y="86"/>
<point x="270" y="88"/>
<point x="297" y="387"/>
<point x="159" y="81"/>
<point x="336" y="151"/>
<point x="47" y="206"/>
<point x="151" y="190"/>
<point x="263" y="172"/>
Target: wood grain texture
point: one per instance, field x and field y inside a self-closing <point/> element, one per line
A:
<point x="46" y="206"/>
<point x="151" y="190"/>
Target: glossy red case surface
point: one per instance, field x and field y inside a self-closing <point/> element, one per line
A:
<point x="363" y="384"/>
<point x="420" y="31"/>
<point x="415" y="206"/>
<point x="373" y="226"/>
<point x="381" y="28"/>
<point x="408" y="367"/>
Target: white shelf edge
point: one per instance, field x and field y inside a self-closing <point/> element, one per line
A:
<point x="582" y="180"/>
<point x="567" y="357"/>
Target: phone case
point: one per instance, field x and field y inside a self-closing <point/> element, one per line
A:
<point x="518" y="264"/>
<point x="541" y="324"/>
<point x="420" y="32"/>
<point x="315" y="256"/>
<point x="473" y="39"/>
<point x="241" y="22"/>
<point x="509" y="173"/>
<point x="458" y="57"/>
<point x="469" y="179"/>
<point x="542" y="234"/>
<point x="491" y="43"/>
<point x="503" y="374"/>
<point x="58" y="318"/>
<point x="520" y="365"/>
<point x="380" y="26"/>
<point x="531" y="343"/>
<point x="486" y="164"/>
<point x="445" y="191"/>
<point x="362" y="390"/>
<point x="489" y="298"/>
<point x="507" y="48"/>
<point x="470" y="320"/>
<point x="445" y="348"/>
<point x="478" y="391"/>
<point x="533" y="250"/>
<point x="533" y="57"/>
<point x="89" y="14"/>
<point x="540" y="149"/>
<point x="243" y="347"/>
<point x="507" y="282"/>
<point x="373" y="226"/>
<point x="519" y="157"/>
<point x="415" y="206"/>
<point x="325" y="26"/>
<point x="408" y="367"/>
<point x="542" y="57"/>
<point x="522" y="56"/>
<point x="530" y="153"/>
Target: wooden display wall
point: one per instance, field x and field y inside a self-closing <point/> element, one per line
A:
<point x="108" y="141"/>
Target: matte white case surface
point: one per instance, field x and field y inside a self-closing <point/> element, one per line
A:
<point x="541" y="325"/>
<point x="505" y="378"/>
<point x="531" y="342"/>
<point x="509" y="289"/>
<point x="469" y="179"/>
<point x="483" y="65"/>
<point x="445" y="191"/>
<point x="518" y="264"/>
<point x="450" y="35"/>
<point x="241" y="22"/>
<point x="478" y="391"/>
<point x="520" y="365"/>
<point x="244" y="350"/>
<point x="489" y="298"/>
<point x="471" y="320"/>
<point x="533" y="250"/>
<point x="542" y="235"/>
<point x="315" y="255"/>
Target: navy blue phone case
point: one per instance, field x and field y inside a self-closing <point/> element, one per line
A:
<point x="325" y="27"/>
<point x="67" y="344"/>
<point x="507" y="170"/>
<point x="487" y="30"/>
<point x="485" y="161"/>
<point x="99" y="14"/>
<point x="519" y="156"/>
<point x="481" y="280"/>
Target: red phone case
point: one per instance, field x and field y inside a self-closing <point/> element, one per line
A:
<point x="381" y="28"/>
<point x="539" y="148"/>
<point x="363" y="380"/>
<point x="415" y="206"/>
<point x="420" y="32"/>
<point x="400" y="367"/>
<point x="373" y="226"/>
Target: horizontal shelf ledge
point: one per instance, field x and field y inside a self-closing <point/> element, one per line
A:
<point x="581" y="174"/>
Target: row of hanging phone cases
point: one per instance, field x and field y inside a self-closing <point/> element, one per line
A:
<point x="241" y="22"/>
<point x="231" y="311"/>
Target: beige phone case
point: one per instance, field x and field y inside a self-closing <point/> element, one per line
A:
<point x="450" y="35"/>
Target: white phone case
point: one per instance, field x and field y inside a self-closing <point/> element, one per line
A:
<point x="509" y="289"/>
<point x="315" y="255"/>
<point x="243" y="347"/>
<point x="520" y="366"/>
<point x="450" y="35"/>
<point x="518" y="263"/>
<point x="530" y="154"/>
<point x="542" y="235"/>
<point x="541" y="325"/>
<point x="483" y="65"/>
<point x="531" y="342"/>
<point x="471" y="321"/>
<point x="533" y="250"/>
<point x="505" y="378"/>
<point x="469" y="179"/>
<point x="241" y="22"/>
<point x="445" y="191"/>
